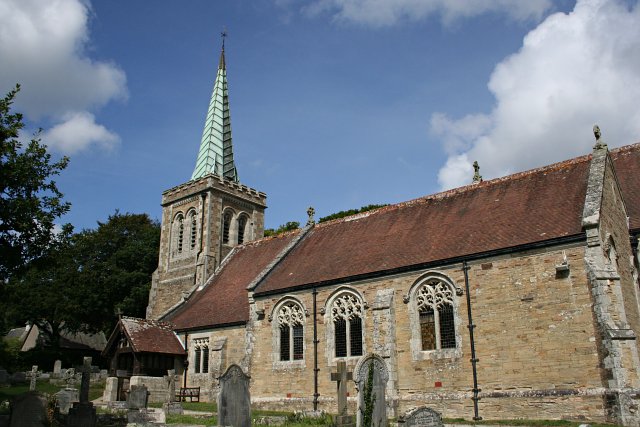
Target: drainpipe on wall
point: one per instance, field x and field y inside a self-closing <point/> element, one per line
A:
<point x="315" y="351"/>
<point x="474" y="360"/>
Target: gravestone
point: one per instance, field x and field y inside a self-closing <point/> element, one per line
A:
<point x="341" y="377"/>
<point x="380" y="378"/>
<point x="29" y="410"/>
<point x="110" y="390"/>
<point x="57" y="368"/>
<point x="18" y="378"/>
<point x="234" y="403"/>
<point x="138" y="397"/>
<point x="34" y="375"/>
<point x="65" y="398"/>
<point x="83" y="414"/>
<point x="171" y="407"/>
<point x="421" y="417"/>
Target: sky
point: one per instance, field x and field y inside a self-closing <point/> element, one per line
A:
<point x="335" y="104"/>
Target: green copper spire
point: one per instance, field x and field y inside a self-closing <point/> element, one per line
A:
<point x="216" y="151"/>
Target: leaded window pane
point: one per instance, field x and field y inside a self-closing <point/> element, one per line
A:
<point x="205" y="360"/>
<point x="447" y="328"/>
<point x="298" y="343"/>
<point x="284" y="342"/>
<point x="355" y="338"/>
<point x="340" y="326"/>
<point x="428" y="329"/>
<point x="196" y="363"/>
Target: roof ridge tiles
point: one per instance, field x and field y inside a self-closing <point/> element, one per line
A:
<point x="466" y="188"/>
<point x="152" y="322"/>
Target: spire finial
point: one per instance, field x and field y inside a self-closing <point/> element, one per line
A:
<point x="476" y="174"/>
<point x="596" y="132"/>
<point x="310" y="213"/>
<point x="224" y="35"/>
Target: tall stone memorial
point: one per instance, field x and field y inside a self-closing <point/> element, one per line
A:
<point x="341" y="377"/>
<point x="83" y="414"/>
<point x="380" y="379"/>
<point x="234" y="403"/>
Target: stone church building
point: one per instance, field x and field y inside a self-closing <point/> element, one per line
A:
<point x="515" y="297"/>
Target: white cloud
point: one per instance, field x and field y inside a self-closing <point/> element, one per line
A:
<point x="574" y="70"/>
<point x="77" y="133"/>
<point x="43" y="47"/>
<point x="380" y="13"/>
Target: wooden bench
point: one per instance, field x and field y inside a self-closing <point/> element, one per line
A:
<point x="190" y="392"/>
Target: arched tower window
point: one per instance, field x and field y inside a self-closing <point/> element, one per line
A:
<point x="346" y="314"/>
<point x="290" y="319"/>
<point x="226" y="225"/>
<point x="434" y="301"/>
<point x="178" y="233"/>
<point x="242" y="223"/>
<point x="194" y="229"/>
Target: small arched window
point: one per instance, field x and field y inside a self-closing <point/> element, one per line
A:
<point x="226" y="225"/>
<point x="194" y="229"/>
<point x="434" y="300"/>
<point x="242" y="223"/>
<point x="290" y="324"/>
<point x="179" y="232"/>
<point x="346" y="314"/>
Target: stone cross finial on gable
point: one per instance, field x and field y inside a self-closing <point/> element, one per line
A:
<point x="311" y="212"/>
<point x="599" y="144"/>
<point x="476" y="174"/>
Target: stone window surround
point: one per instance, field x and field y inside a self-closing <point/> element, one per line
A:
<point x="233" y="226"/>
<point x="278" y="364"/>
<point x="414" y="318"/>
<point x="326" y="311"/>
<point x="187" y="224"/>
<point x="202" y="344"/>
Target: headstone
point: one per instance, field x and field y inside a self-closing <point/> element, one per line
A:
<point x="57" y="367"/>
<point x="171" y="407"/>
<point x="65" y="398"/>
<point x="83" y="414"/>
<point x="341" y="377"/>
<point x="234" y="403"/>
<point x="421" y="417"/>
<point x="138" y="397"/>
<point x="29" y="410"/>
<point x="110" y="390"/>
<point x="18" y="378"/>
<point x="104" y="374"/>
<point x="34" y="375"/>
<point x="380" y="378"/>
<point x="146" y="416"/>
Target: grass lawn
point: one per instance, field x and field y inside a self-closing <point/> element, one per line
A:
<point x="8" y="393"/>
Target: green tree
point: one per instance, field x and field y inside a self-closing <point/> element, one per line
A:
<point x="30" y="201"/>
<point x="342" y="214"/>
<point x="87" y="278"/>
<point x="291" y="225"/>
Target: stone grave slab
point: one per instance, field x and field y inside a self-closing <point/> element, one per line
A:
<point x="29" y="410"/>
<point x="138" y="397"/>
<point x="421" y="417"/>
<point x="65" y="399"/>
<point x="380" y="379"/>
<point x="234" y="403"/>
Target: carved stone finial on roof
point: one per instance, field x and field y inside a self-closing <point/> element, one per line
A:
<point x="599" y="143"/>
<point x="311" y="212"/>
<point x="476" y="174"/>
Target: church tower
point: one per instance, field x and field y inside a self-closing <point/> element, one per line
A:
<point x="204" y="218"/>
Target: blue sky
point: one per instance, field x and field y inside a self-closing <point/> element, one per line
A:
<point x="334" y="103"/>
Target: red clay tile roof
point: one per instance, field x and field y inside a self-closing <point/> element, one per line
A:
<point x="524" y="208"/>
<point x="151" y="336"/>
<point x="224" y="299"/>
<point x="627" y="163"/>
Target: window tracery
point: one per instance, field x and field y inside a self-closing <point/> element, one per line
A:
<point x="346" y="315"/>
<point x="290" y="320"/>
<point x="434" y="301"/>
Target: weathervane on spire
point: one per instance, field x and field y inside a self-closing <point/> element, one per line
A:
<point x="224" y="35"/>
